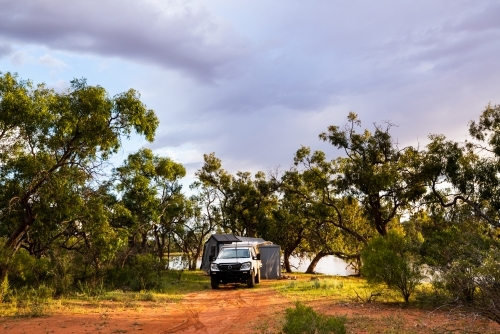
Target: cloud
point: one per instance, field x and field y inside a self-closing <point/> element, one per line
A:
<point x="22" y="57"/>
<point x="5" y="50"/>
<point x="51" y="62"/>
<point x="254" y="80"/>
<point x="173" y="34"/>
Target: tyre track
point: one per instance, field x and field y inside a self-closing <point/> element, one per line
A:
<point x="229" y="309"/>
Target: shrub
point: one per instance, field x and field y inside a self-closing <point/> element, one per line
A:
<point x="140" y="273"/>
<point x="304" y="320"/>
<point x="455" y="253"/>
<point x="4" y="289"/>
<point x="487" y="294"/>
<point x="389" y="260"/>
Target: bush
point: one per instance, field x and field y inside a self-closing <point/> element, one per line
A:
<point x="304" y="320"/>
<point x="487" y="294"/>
<point x="4" y="289"/>
<point x="389" y="260"/>
<point x="455" y="253"/>
<point x="141" y="272"/>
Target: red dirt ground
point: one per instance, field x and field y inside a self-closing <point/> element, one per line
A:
<point x="237" y="309"/>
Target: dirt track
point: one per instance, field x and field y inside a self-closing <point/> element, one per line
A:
<point x="238" y="309"/>
<point x="227" y="310"/>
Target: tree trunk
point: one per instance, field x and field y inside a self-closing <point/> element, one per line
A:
<point x="144" y="243"/>
<point x="286" y="260"/>
<point x="12" y="244"/>
<point x="168" y="253"/>
<point x="314" y="262"/>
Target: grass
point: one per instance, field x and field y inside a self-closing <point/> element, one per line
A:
<point x="304" y="320"/>
<point x="386" y="308"/>
<point x="40" y="302"/>
<point x="309" y="287"/>
<point x="318" y="291"/>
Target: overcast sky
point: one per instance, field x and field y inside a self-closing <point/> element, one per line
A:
<point x="254" y="80"/>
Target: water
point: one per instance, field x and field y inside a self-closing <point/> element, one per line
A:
<point x="329" y="265"/>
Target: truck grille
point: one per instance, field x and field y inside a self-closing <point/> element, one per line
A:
<point x="229" y="266"/>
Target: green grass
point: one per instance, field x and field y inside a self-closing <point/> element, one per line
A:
<point x="334" y="288"/>
<point x="176" y="285"/>
<point x="185" y="282"/>
<point x="304" y="320"/>
<point x="29" y="302"/>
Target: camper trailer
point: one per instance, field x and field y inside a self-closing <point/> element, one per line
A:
<point x="262" y="256"/>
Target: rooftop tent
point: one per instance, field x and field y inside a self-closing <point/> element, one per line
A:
<point x="270" y="255"/>
<point x="212" y="247"/>
<point x="251" y="240"/>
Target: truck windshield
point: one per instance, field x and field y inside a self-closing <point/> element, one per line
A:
<point x="231" y="253"/>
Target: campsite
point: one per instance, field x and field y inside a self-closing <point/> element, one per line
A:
<point x="238" y="309"/>
<point x="291" y="167"/>
<point x="190" y="306"/>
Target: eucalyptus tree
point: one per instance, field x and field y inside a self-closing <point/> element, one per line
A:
<point x="468" y="172"/>
<point x="384" y="178"/>
<point x="327" y="239"/>
<point x="244" y="203"/>
<point x="150" y="190"/>
<point x="464" y="177"/>
<point x="202" y="220"/>
<point x="47" y="136"/>
<point x="88" y="232"/>
<point x="289" y="225"/>
<point x="334" y="223"/>
<point x="191" y="235"/>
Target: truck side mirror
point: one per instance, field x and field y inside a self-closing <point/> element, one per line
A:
<point x="258" y="256"/>
<point x="210" y="258"/>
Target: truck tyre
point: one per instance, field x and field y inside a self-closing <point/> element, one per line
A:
<point x="257" y="277"/>
<point x="214" y="282"/>
<point x="251" y="280"/>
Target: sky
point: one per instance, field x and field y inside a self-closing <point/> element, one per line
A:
<point x="253" y="81"/>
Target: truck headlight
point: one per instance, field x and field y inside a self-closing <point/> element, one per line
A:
<point x="214" y="266"/>
<point x="246" y="266"/>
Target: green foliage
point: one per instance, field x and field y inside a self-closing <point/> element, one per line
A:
<point x="4" y="289"/>
<point x="304" y="320"/>
<point x="56" y="270"/>
<point x="91" y="290"/>
<point x="32" y="302"/>
<point x="316" y="215"/>
<point x="52" y="146"/>
<point x="469" y="169"/>
<point x="388" y="260"/>
<point x="487" y="297"/>
<point x="141" y="272"/>
<point x="381" y="176"/>
<point x="456" y="244"/>
<point x="245" y="203"/>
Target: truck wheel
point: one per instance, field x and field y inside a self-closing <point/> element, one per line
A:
<point x="257" y="277"/>
<point x="214" y="282"/>
<point x="251" y="280"/>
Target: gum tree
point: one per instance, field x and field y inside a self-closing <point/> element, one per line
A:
<point x="150" y="190"/>
<point x="244" y="202"/>
<point x="384" y="178"/>
<point x="46" y="136"/>
<point x="333" y="223"/>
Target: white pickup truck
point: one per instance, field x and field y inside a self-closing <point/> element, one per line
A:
<point x="236" y="263"/>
